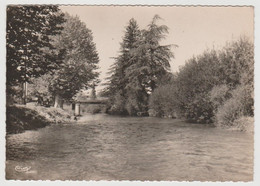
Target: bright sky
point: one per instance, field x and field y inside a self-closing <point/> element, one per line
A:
<point x="193" y="29"/>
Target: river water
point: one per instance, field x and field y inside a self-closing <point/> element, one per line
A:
<point x="102" y="147"/>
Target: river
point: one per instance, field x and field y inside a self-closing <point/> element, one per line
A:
<point x="102" y="147"/>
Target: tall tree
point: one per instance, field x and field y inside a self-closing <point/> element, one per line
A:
<point x="29" y="49"/>
<point x="79" y="63"/>
<point x="153" y="58"/>
<point x="118" y="79"/>
<point x="142" y="63"/>
<point x="151" y="62"/>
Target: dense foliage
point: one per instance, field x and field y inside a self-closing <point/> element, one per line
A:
<point x="30" y="53"/>
<point x="80" y="59"/>
<point x="215" y="86"/>
<point x="52" y="51"/>
<point x="28" y="37"/>
<point x="162" y="102"/>
<point x="39" y="87"/>
<point x="118" y="80"/>
<point x="238" y="62"/>
<point x="78" y="63"/>
<point x="56" y="54"/>
<point x="138" y="69"/>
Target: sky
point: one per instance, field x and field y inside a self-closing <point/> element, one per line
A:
<point x="193" y="29"/>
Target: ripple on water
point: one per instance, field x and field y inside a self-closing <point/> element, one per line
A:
<point x="125" y="148"/>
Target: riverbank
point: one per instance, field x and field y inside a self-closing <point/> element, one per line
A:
<point x="243" y="124"/>
<point x="30" y="117"/>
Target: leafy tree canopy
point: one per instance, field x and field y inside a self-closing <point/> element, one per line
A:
<point x="141" y="65"/>
<point x="80" y="59"/>
<point x="212" y="86"/>
<point x="29" y="49"/>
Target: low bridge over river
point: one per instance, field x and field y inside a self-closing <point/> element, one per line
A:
<point x="76" y="105"/>
<point x="92" y="101"/>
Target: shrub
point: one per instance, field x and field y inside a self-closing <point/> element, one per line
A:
<point x="131" y="107"/>
<point x="245" y="95"/>
<point x="96" y="110"/>
<point x="217" y="85"/>
<point x="237" y="60"/>
<point x="200" y="110"/>
<point x="136" y="103"/>
<point x="239" y="105"/>
<point x="244" y="123"/>
<point x="193" y="83"/>
<point x="163" y="101"/>
<point x="218" y="95"/>
<point x="93" y="108"/>
<point x="152" y="113"/>
<point x="117" y="105"/>
<point x="235" y="99"/>
<point x="228" y="112"/>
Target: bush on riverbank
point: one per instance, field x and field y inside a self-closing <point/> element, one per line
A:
<point x="244" y="124"/>
<point x="162" y="102"/>
<point x="217" y="86"/>
<point x="93" y="109"/>
<point x="20" y="117"/>
<point x="240" y="105"/>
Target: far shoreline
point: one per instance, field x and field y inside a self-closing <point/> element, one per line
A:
<point x="32" y="117"/>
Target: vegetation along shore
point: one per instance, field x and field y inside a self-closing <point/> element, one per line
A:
<point x="59" y="63"/>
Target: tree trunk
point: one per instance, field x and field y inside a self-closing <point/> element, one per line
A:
<point x="24" y="93"/>
<point x="9" y="100"/>
<point x="58" y="101"/>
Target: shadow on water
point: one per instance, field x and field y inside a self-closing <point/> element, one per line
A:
<point x="102" y="147"/>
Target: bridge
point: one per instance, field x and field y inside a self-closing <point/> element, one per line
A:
<point x="92" y="101"/>
<point x="76" y="103"/>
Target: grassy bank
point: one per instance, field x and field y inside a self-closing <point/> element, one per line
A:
<point x="20" y="118"/>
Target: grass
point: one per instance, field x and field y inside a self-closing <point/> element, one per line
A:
<point x="20" y="117"/>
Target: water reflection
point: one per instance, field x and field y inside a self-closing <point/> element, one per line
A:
<point x="101" y="147"/>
